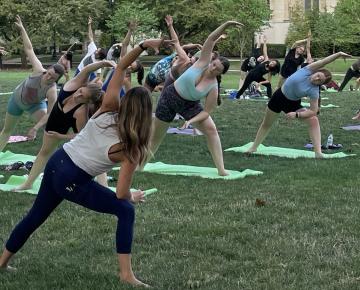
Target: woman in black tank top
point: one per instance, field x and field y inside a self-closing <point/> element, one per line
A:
<point x="70" y="111"/>
<point x="269" y="67"/>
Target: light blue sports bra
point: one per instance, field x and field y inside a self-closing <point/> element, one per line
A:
<point x="186" y="87"/>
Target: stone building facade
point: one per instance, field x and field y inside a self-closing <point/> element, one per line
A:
<point x="281" y="14"/>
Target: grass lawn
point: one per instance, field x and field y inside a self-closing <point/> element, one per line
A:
<point x="208" y="234"/>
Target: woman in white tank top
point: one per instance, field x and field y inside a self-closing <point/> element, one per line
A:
<point x="117" y="133"/>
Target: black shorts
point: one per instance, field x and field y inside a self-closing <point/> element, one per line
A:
<point x="279" y="102"/>
<point x="171" y="103"/>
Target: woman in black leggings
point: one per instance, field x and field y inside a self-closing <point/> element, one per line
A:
<point x="270" y="67"/>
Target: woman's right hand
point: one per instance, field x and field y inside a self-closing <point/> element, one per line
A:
<point x="169" y="20"/>
<point x="235" y="23"/>
<point x="18" y="22"/>
<point x="344" y="55"/>
<point x="109" y="63"/>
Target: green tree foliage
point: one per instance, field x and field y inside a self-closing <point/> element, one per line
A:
<point x="338" y="30"/>
<point x="126" y="11"/>
<point x="64" y="19"/>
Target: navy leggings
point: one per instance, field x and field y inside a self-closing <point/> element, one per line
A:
<point x="64" y="180"/>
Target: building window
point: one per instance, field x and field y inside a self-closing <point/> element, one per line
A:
<point x="307" y="5"/>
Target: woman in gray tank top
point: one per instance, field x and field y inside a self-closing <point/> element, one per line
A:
<point x="30" y="95"/>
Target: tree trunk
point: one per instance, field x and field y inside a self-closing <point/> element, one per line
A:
<point x="23" y="60"/>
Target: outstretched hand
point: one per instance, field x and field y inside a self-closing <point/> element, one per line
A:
<point x="235" y="23"/>
<point x="156" y="43"/>
<point x="185" y="126"/>
<point x="132" y="25"/>
<point x="169" y="20"/>
<point x="137" y="196"/>
<point x="109" y="63"/>
<point x="344" y="55"/>
<point x="18" y="22"/>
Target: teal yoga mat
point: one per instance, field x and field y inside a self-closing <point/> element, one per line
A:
<point x="307" y="105"/>
<point x="188" y="170"/>
<point x="15" y="180"/>
<point x="284" y="152"/>
<point x="8" y="157"/>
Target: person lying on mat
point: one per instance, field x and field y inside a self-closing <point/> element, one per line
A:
<point x="303" y="83"/>
<point x="71" y="110"/>
<point x="184" y="95"/>
<point x="119" y="132"/>
<point x="30" y="95"/>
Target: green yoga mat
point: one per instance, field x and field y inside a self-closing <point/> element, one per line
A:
<point x="7" y="158"/>
<point x="187" y="170"/>
<point x="307" y="105"/>
<point x="15" y="180"/>
<point x="284" y="152"/>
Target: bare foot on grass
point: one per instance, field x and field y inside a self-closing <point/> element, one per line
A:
<point x="131" y="279"/>
<point x="21" y="187"/>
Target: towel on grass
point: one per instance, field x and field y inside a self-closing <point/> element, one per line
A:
<point x="188" y="170"/>
<point x="187" y="131"/>
<point x="18" y="138"/>
<point x="15" y="180"/>
<point x="284" y="152"/>
<point x="7" y="158"/>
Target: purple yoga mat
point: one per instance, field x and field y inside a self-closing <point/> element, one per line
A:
<point x="351" y="128"/>
<point x="184" y="131"/>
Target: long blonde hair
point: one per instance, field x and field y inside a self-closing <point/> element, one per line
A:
<point x="134" y="124"/>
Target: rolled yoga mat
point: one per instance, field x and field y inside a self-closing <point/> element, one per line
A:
<point x="351" y="128"/>
<point x="15" y="180"/>
<point x="188" y="170"/>
<point x="284" y="152"/>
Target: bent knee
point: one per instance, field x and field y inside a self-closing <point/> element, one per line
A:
<point x="125" y="210"/>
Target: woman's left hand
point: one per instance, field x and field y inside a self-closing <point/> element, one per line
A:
<point x="290" y="116"/>
<point x="31" y="134"/>
<point x="185" y="126"/>
<point x="137" y="196"/>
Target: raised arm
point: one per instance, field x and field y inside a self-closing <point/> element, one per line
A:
<point x="110" y="100"/>
<point x="90" y="32"/>
<point x="82" y="77"/>
<point x="265" y="52"/>
<point x="322" y="62"/>
<point x="131" y="28"/>
<point x="28" y="48"/>
<point x="180" y="51"/>
<point x="309" y="58"/>
<point x="298" y="42"/>
<point x="210" y="42"/>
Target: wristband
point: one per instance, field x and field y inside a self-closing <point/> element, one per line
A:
<point x="141" y="45"/>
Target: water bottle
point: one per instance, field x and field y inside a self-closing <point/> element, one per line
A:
<point x="330" y="141"/>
